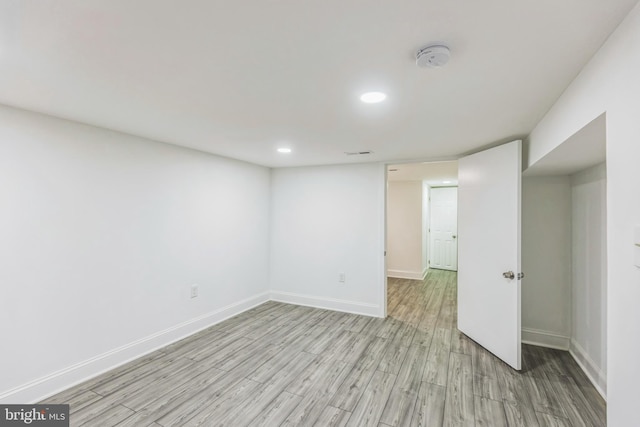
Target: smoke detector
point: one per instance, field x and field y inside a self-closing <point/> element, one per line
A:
<point x="432" y="56"/>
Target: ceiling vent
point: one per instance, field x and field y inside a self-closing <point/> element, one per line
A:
<point x="432" y="56"/>
<point x="357" y="153"/>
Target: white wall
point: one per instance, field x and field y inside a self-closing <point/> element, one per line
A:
<point x="546" y="261"/>
<point x="405" y="236"/>
<point x="610" y="83"/>
<point x="101" y="236"/>
<point x="324" y="221"/>
<point x="589" y="250"/>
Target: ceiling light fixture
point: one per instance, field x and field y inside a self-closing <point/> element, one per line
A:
<point x="373" y="97"/>
<point x="446" y="182"/>
<point x="284" y="150"/>
<point x="432" y="56"/>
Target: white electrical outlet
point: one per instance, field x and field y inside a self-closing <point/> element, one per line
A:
<point x="342" y="277"/>
<point x="194" y="291"/>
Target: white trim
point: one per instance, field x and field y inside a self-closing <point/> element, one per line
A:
<point x="382" y="268"/>
<point x="328" y="303"/>
<point x="404" y="274"/>
<point x="545" y="339"/>
<point x="590" y="368"/>
<point x="41" y="388"/>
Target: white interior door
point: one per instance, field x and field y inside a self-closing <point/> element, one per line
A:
<point x="488" y="247"/>
<point x="444" y="228"/>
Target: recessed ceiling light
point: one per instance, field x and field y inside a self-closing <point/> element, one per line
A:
<point x="446" y="182"/>
<point x="373" y="97"/>
<point x="284" y="150"/>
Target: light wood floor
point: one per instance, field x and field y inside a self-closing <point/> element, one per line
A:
<point x="284" y="365"/>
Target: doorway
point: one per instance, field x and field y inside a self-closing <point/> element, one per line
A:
<point x="410" y="232"/>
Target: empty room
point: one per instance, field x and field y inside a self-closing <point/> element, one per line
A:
<point x="337" y="213"/>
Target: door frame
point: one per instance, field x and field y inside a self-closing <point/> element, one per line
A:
<point x="382" y="214"/>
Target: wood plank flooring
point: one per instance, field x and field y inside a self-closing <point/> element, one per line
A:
<point x="285" y="365"/>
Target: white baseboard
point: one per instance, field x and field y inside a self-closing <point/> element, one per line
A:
<point x="545" y="339"/>
<point x="56" y="382"/>
<point x="328" y="303"/>
<point x="590" y="368"/>
<point x="404" y="274"/>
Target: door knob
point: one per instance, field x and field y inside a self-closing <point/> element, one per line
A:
<point x="454" y="236"/>
<point x="509" y="275"/>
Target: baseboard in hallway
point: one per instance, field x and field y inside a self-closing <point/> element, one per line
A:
<point x="406" y="274"/>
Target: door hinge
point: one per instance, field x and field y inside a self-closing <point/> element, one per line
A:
<point x="510" y="275"/>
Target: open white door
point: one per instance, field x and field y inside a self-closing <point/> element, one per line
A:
<point x="489" y="250"/>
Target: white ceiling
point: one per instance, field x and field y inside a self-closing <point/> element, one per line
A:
<point x="242" y="78"/>
<point x="436" y="174"/>
<point x="583" y="149"/>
